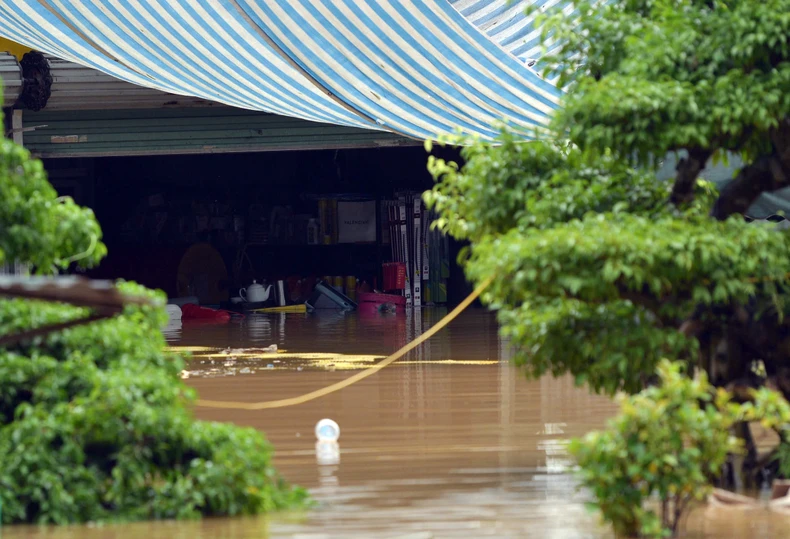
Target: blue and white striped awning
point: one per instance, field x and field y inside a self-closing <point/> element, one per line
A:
<point x="505" y="23"/>
<point x="415" y="67"/>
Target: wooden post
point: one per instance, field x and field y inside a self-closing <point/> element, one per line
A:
<point x="16" y="127"/>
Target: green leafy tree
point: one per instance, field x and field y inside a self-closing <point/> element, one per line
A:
<point x="94" y="420"/>
<point x="601" y="270"/>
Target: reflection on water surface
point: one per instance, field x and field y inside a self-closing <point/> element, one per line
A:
<point x="449" y="442"/>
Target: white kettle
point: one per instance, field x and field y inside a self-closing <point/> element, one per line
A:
<point x="255" y="293"/>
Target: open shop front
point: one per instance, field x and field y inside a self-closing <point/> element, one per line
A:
<point x="213" y="204"/>
<point x="310" y="229"/>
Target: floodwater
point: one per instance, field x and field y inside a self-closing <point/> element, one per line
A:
<point x="449" y="442"/>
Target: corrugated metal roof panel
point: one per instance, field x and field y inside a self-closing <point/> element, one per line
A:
<point x="76" y="87"/>
<point x="182" y="131"/>
<point x="11" y="75"/>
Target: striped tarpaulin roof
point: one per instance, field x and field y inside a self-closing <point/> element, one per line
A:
<point x="414" y="67"/>
<point x="505" y="23"/>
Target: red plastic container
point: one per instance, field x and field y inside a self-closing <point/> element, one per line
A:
<point x="190" y="311"/>
<point x="369" y="297"/>
<point x="370" y="303"/>
<point x="394" y="275"/>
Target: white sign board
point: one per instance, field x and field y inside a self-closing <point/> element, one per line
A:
<point x="356" y="222"/>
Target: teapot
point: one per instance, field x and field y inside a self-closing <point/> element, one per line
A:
<point x="255" y="293"/>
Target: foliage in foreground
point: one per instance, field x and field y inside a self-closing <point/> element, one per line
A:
<point x="600" y="270"/>
<point x="94" y="420"/>
<point x="594" y="269"/>
<point x="667" y="444"/>
<point x="668" y="441"/>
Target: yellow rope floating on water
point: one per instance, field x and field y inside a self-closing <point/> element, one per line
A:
<point x="293" y="401"/>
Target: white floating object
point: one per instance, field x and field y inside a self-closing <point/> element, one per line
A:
<point x="327" y="453"/>
<point x="173" y="312"/>
<point x="327" y="430"/>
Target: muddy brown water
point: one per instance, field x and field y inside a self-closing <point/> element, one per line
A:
<point x="450" y="442"/>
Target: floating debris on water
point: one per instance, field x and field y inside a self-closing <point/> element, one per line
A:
<point x="248" y="351"/>
<point x="327" y="430"/>
<point x="327" y="453"/>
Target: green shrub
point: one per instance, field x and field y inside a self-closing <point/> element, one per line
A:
<point x="667" y="442"/>
<point x="665" y="447"/>
<point x="95" y="421"/>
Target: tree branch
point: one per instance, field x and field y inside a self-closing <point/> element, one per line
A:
<point x="688" y="170"/>
<point x="752" y="181"/>
<point x="767" y="173"/>
<point x="680" y="507"/>
<point x="14" y="338"/>
<point x="646" y="300"/>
